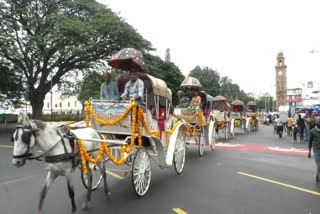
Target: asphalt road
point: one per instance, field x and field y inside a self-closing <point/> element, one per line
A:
<point x="249" y="174"/>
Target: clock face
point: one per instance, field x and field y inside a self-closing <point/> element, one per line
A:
<point x="280" y="73"/>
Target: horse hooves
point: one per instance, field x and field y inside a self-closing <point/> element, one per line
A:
<point x="86" y="205"/>
<point x="74" y="209"/>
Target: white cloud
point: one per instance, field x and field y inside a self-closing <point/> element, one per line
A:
<point x="239" y="39"/>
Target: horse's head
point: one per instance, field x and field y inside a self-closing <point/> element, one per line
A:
<point x="24" y="138"/>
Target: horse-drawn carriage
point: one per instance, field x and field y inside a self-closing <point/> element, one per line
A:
<point x="142" y="130"/>
<point x="124" y="133"/>
<point x="238" y="117"/>
<point x="252" y="116"/>
<point x="196" y="119"/>
<point x="220" y="114"/>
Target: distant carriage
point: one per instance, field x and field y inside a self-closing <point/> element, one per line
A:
<point x="221" y="116"/>
<point x="199" y="126"/>
<point x="238" y="117"/>
<point x="252" y="116"/>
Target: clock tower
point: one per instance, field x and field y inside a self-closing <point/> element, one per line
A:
<point x="281" y="81"/>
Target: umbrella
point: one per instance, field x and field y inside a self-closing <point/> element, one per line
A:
<point x="237" y="103"/>
<point x="128" y="59"/>
<point x="251" y="103"/>
<point x="191" y="82"/>
<point x="219" y="98"/>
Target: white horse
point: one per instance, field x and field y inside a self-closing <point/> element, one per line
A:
<point x="60" y="153"/>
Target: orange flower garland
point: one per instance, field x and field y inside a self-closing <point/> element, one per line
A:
<point x="133" y="129"/>
<point x="189" y="118"/>
<point x="140" y="114"/>
<point x="145" y="125"/>
<point x="90" y="111"/>
<point x="85" y="156"/>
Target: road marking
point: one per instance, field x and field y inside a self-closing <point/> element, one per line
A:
<point x="179" y="211"/>
<point x="6" y="146"/>
<point x="18" y="179"/>
<point x="280" y="183"/>
<point x="114" y="174"/>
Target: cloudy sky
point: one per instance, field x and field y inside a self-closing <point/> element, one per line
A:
<point x="239" y="39"/>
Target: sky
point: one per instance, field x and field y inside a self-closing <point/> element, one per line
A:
<point x="238" y="39"/>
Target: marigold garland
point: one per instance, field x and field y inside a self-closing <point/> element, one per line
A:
<point x="89" y="111"/>
<point x="189" y="118"/>
<point x="170" y="131"/>
<point x="145" y="125"/>
<point x="85" y="156"/>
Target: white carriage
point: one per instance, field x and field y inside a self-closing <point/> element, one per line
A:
<point x="220" y="115"/>
<point x="199" y="128"/>
<point x="252" y="117"/>
<point x="134" y="132"/>
<point x="238" y="117"/>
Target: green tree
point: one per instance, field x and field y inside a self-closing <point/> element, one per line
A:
<point x="166" y="71"/>
<point x="46" y="39"/>
<point x="11" y="85"/>
<point x="90" y="86"/>
<point x="208" y="78"/>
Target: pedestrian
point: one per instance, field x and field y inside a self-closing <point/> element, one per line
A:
<point x="307" y="123"/>
<point x="289" y="126"/>
<point x="134" y="89"/>
<point x="301" y="126"/>
<point x="295" y="132"/>
<point x="314" y="142"/>
<point x="108" y="90"/>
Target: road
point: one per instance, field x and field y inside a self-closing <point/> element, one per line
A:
<point x="249" y="174"/>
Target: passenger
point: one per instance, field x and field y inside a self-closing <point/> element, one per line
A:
<point x="184" y="102"/>
<point x="108" y="89"/>
<point x="133" y="89"/>
<point x="196" y="100"/>
<point x="235" y="109"/>
<point x="223" y="106"/>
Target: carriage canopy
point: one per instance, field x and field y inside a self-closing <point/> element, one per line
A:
<point x="191" y="82"/>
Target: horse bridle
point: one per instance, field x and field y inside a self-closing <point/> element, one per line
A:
<point x="30" y="132"/>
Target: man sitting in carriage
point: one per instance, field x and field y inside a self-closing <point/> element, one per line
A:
<point x="196" y="100"/>
<point x="134" y="89"/>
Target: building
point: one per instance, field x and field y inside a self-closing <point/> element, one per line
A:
<point x="310" y="93"/>
<point x="60" y="104"/>
<point x="281" y="81"/>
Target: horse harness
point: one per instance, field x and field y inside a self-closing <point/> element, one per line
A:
<point x="28" y="131"/>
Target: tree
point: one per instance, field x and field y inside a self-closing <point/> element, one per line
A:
<point x="208" y="78"/>
<point x="46" y="39"/>
<point x="11" y="85"/>
<point x="90" y="86"/>
<point x="166" y="71"/>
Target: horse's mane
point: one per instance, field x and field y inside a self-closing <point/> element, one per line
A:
<point x="39" y="124"/>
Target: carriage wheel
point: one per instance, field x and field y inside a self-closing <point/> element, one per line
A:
<point x="96" y="177"/>
<point x="226" y="132"/>
<point x="141" y="173"/>
<point x="179" y="155"/>
<point x="201" y="142"/>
